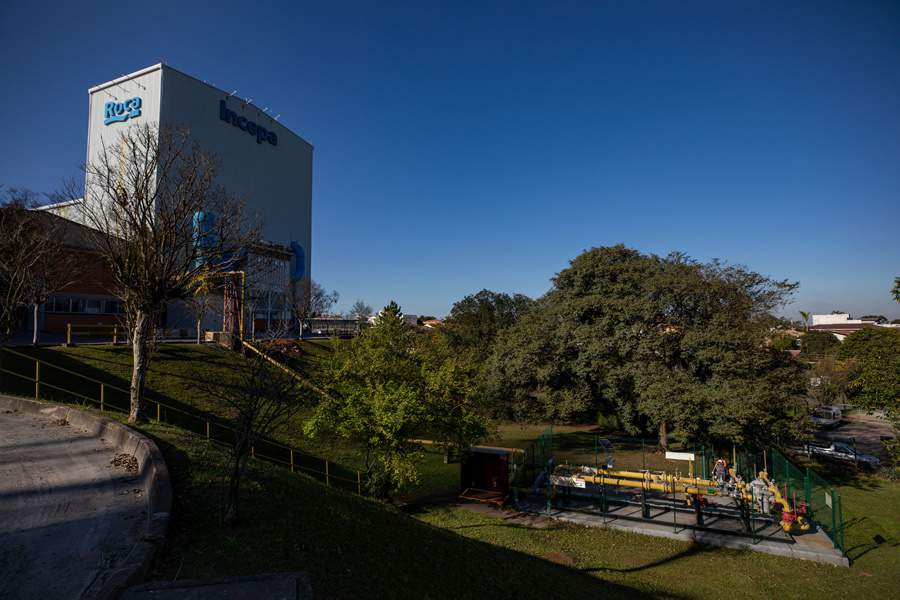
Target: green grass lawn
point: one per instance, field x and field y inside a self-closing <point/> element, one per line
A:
<point x="354" y="547"/>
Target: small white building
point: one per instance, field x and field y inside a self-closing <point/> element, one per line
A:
<point x="840" y="325"/>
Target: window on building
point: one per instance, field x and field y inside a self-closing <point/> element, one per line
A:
<point x="57" y="304"/>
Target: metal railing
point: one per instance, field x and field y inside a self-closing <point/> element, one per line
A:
<point x="113" y="398"/>
<point x="95" y="331"/>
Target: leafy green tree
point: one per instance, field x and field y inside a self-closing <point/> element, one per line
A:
<point x="871" y="343"/>
<point x="805" y="315"/>
<point x="452" y="391"/>
<point x="829" y="380"/>
<point x="381" y="398"/>
<point x="783" y="342"/>
<point x="818" y="343"/>
<point x="665" y="342"/>
<point x="896" y="291"/>
<point x="875" y="384"/>
<point x="475" y="320"/>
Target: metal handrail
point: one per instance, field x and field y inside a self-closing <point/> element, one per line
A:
<point x="206" y="418"/>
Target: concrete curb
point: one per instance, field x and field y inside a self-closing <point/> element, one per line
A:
<point x="273" y="586"/>
<point x="152" y="475"/>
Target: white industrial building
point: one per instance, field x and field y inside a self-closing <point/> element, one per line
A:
<point x="260" y="161"/>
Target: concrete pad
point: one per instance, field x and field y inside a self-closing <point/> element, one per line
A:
<point x="722" y="532"/>
<point x="72" y="524"/>
<point x="276" y="586"/>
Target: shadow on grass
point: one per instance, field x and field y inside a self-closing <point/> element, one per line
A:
<point x="692" y="550"/>
<point x="350" y="546"/>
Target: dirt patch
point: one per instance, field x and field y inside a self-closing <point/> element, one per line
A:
<point x="125" y="461"/>
<point x="559" y="558"/>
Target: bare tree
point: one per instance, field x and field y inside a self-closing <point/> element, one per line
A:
<point x="33" y="265"/>
<point x="308" y="299"/>
<point x="361" y="312"/>
<point x="260" y="398"/>
<point x="160" y="223"/>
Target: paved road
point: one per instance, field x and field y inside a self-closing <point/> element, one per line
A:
<point x="866" y="429"/>
<point x="66" y="513"/>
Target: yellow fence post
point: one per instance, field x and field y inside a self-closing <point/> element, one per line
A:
<point x="68" y="334"/>
<point x="327" y="476"/>
<point x="292" y="460"/>
<point x="359" y="483"/>
<point x="115" y="334"/>
<point x="102" y="388"/>
<point x="253" y="451"/>
<point x="207" y="430"/>
<point x="37" y="380"/>
<point x="157" y="412"/>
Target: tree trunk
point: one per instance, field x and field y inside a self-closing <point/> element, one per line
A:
<point x="199" y="322"/>
<point x="663" y="437"/>
<point x="140" y="350"/>
<point x="232" y="494"/>
<point x="37" y="329"/>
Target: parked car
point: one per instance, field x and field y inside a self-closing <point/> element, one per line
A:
<point x="842" y="452"/>
<point x="827" y="417"/>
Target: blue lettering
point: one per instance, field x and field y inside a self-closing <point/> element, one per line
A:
<point x="115" y="112"/>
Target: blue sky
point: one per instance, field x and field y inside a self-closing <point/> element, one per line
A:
<point x="459" y="147"/>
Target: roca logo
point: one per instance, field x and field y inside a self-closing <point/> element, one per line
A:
<point x="114" y="112"/>
<point x="244" y="124"/>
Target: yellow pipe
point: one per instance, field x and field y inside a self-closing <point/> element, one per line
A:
<point x="667" y="486"/>
<point x="650" y="476"/>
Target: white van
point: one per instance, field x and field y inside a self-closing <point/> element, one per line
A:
<point x="826" y="417"/>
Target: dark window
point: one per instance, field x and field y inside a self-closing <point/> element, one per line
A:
<point x="57" y="304"/>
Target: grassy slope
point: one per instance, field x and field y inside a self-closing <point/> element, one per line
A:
<point x="872" y="510"/>
<point x="174" y="371"/>
<point x="352" y="547"/>
<point x="356" y="548"/>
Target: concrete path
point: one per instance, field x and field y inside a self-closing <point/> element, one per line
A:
<point x="67" y="514"/>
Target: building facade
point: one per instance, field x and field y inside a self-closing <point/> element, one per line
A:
<point x="260" y="161"/>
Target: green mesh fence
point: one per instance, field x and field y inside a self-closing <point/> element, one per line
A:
<point x="532" y="462"/>
<point x="791" y="481"/>
<point x="826" y="508"/>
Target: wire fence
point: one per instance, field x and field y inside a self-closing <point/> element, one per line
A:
<point x="826" y="508"/>
<point x="804" y="488"/>
<point x="25" y="375"/>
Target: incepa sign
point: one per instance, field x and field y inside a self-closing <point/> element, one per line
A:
<point x="113" y="112"/>
<point x="244" y="124"/>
